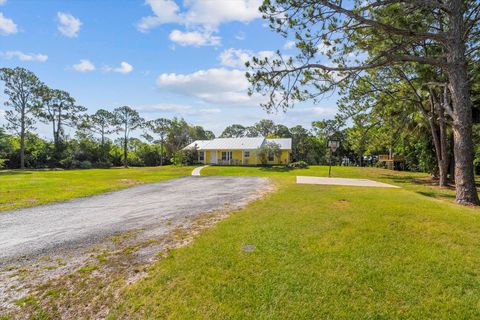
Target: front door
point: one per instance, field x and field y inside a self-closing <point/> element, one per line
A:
<point x="213" y="157"/>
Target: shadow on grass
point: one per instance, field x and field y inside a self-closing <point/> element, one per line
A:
<point x="415" y="180"/>
<point x="436" y="192"/>
<point x="14" y="172"/>
<point x="276" y="169"/>
<point x="436" y="195"/>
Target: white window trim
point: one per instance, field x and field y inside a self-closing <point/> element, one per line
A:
<point x="229" y="155"/>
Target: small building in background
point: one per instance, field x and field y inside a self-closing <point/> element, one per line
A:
<point x="391" y="161"/>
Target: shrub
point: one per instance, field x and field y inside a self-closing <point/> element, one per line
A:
<point x="85" y="165"/>
<point x="103" y="164"/>
<point x="68" y="163"/>
<point x="269" y="148"/>
<point x="298" y="165"/>
<point x="185" y="157"/>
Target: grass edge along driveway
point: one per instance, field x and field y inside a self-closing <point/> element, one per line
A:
<point x="20" y="189"/>
<point x="323" y="252"/>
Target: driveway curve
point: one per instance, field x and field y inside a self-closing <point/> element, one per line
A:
<point x="53" y="227"/>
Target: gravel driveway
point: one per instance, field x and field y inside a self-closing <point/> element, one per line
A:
<point x="50" y="228"/>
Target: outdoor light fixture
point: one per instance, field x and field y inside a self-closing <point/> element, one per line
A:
<point x="333" y="146"/>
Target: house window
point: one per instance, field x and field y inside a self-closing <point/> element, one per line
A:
<point x="271" y="157"/>
<point x="246" y="154"/>
<point x="201" y="156"/>
<point x="227" y="155"/>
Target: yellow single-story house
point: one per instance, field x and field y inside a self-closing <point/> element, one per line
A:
<point x="239" y="151"/>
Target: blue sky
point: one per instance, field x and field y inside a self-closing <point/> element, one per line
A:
<point x="162" y="57"/>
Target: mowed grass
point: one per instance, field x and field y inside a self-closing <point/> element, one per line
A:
<point x="29" y="188"/>
<point x="323" y="252"/>
<point x="421" y="183"/>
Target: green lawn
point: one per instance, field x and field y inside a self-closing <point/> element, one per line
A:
<point x="28" y="188"/>
<point x="323" y="252"/>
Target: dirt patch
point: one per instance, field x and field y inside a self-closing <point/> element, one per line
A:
<point x="129" y="182"/>
<point x="340" y="204"/>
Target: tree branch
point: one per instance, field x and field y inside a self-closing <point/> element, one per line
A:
<point x="440" y="37"/>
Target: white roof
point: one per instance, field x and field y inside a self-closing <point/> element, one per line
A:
<point x="199" y="144"/>
<point x="238" y="143"/>
<point x="285" y="143"/>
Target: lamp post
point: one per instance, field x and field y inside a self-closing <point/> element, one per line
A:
<point x="332" y="146"/>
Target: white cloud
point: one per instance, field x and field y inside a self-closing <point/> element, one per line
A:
<point x="236" y="58"/>
<point x="194" y="38"/>
<point x="290" y="44"/>
<point x="217" y="86"/>
<point x="181" y="109"/>
<point x="203" y="81"/>
<point x="124" y="68"/>
<point x="315" y="111"/>
<point x="69" y="26"/>
<point x="2" y="2"/>
<point x="165" y="107"/>
<point x="209" y="111"/>
<point x="241" y="35"/>
<point x="165" y="11"/>
<point x="323" y="49"/>
<point x="212" y="13"/>
<point x="199" y="16"/>
<point x="208" y="14"/>
<point x="7" y="26"/>
<point x="84" y="66"/>
<point x="24" y="56"/>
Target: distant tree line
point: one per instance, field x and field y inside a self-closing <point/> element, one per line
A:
<point x="101" y="140"/>
<point x="104" y="139"/>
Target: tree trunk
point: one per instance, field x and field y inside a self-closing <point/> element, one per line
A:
<point x="443" y="164"/>
<point x="125" y="153"/>
<point x="451" y="166"/>
<point x="442" y="173"/>
<point x="439" y="137"/>
<point x="161" y="152"/>
<point x="462" y="109"/>
<point x="22" y="143"/>
<point x="59" y="128"/>
<point x="54" y="127"/>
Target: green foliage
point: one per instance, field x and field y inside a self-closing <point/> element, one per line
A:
<point x="234" y="131"/>
<point x="306" y="147"/>
<point x="85" y="164"/>
<point x="476" y="140"/>
<point x="263" y="128"/>
<point x="22" y="105"/>
<point x="185" y="157"/>
<point x="126" y="120"/>
<point x="267" y="150"/>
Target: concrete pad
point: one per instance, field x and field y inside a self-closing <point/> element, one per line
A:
<point x="196" y="171"/>
<point x="343" y="182"/>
